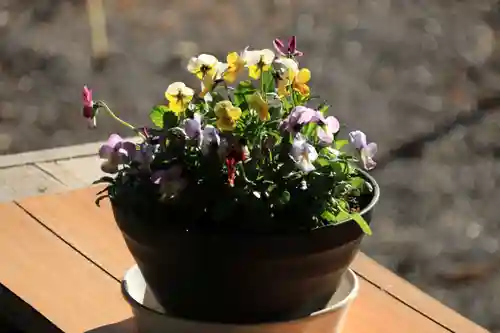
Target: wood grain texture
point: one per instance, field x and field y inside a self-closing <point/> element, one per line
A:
<point x="407" y="293"/>
<point x="54" y="278"/>
<point x="75" y="218"/>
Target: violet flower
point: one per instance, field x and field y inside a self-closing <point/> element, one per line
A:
<point x="300" y="116"/>
<point x="303" y="154"/>
<point x="193" y="127"/>
<point x="367" y="150"/>
<point x="288" y="51"/>
<point x="328" y="130"/>
<point x="89" y="111"/>
<point x="207" y="137"/>
<point x="116" y="151"/>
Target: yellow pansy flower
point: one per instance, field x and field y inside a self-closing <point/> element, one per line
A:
<point x="258" y="103"/>
<point x="227" y="115"/>
<point x="235" y="65"/>
<point x="299" y="82"/>
<point x="178" y="96"/>
<point x="208" y="81"/>
<point x="203" y="65"/>
<point x="258" y="61"/>
<point x="287" y="70"/>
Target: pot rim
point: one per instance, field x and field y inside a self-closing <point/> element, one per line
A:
<point x="344" y="303"/>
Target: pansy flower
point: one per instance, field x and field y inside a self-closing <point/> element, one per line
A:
<point x="235" y="64"/>
<point x="367" y="150"/>
<point x="203" y="65"/>
<point x="89" y="111"/>
<point x="227" y="114"/>
<point x="287" y="69"/>
<point x="178" y="96"/>
<point x="327" y="130"/>
<point x="116" y="152"/>
<point x="303" y="154"/>
<point x="258" y="61"/>
<point x="287" y="51"/>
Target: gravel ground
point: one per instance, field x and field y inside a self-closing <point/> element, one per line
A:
<point x="419" y="76"/>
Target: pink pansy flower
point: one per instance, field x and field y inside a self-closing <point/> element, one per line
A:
<point x="88" y="106"/>
<point x="327" y="132"/>
<point x="287" y="51"/>
<point x="366" y="150"/>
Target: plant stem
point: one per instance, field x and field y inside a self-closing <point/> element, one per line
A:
<point x="115" y="117"/>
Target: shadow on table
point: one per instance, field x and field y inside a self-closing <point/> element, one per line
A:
<point x="124" y="326"/>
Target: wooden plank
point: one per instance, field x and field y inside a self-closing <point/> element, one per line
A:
<point x="26" y="180"/>
<point x="92" y="230"/>
<point x="75" y="172"/>
<point x="54" y="278"/>
<point x="406" y="292"/>
<point x="75" y="218"/>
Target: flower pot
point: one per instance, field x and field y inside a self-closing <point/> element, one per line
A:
<point x="241" y="278"/>
<point x="151" y="317"/>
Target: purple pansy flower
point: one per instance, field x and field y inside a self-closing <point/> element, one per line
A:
<point x="88" y="106"/>
<point x="207" y="137"/>
<point x="116" y="151"/>
<point x="193" y="127"/>
<point x="327" y="131"/>
<point x="367" y="150"/>
<point x="287" y="51"/>
<point x="300" y="116"/>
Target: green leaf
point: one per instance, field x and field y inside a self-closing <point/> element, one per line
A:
<point x="170" y="120"/>
<point x="343" y="216"/>
<point x="245" y="88"/>
<point x="285" y="197"/>
<point x="324" y="108"/>
<point x="99" y="199"/>
<point x="156" y="114"/>
<point x="340" y="143"/>
<point x="322" y="161"/>
<point x="328" y="216"/>
<point x="362" y="223"/>
<point x="268" y="82"/>
<point x="105" y="179"/>
<point x="357" y="182"/>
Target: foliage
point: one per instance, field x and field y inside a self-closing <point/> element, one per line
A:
<point x="243" y="153"/>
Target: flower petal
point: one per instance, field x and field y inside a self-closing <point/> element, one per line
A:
<point x="267" y="56"/>
<point x="304" y="75"/>
<point x="325" y="137"/>
<point x="357" y="139"/>
<point x="371" y="149"/>
<point x="279" y="47"/>
<point x="292" y="44"/>
<point x="332" y="124"/>
<point x="174" y="88"/>
<point x="234" y="113"/>
<point x="207" y="59"/>
<point x="192" y="65"/>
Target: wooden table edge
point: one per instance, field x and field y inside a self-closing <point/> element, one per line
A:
<point x="405" y="292"/>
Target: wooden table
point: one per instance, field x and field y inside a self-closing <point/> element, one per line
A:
<point x="65" y="257"/>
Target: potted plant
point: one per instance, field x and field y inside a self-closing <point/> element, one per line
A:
<point x="241" y="204"/>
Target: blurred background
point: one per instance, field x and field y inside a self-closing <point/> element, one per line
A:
<point x="420" y="77"/>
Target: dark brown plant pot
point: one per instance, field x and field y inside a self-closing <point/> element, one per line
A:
<point x="237" y="278"/>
